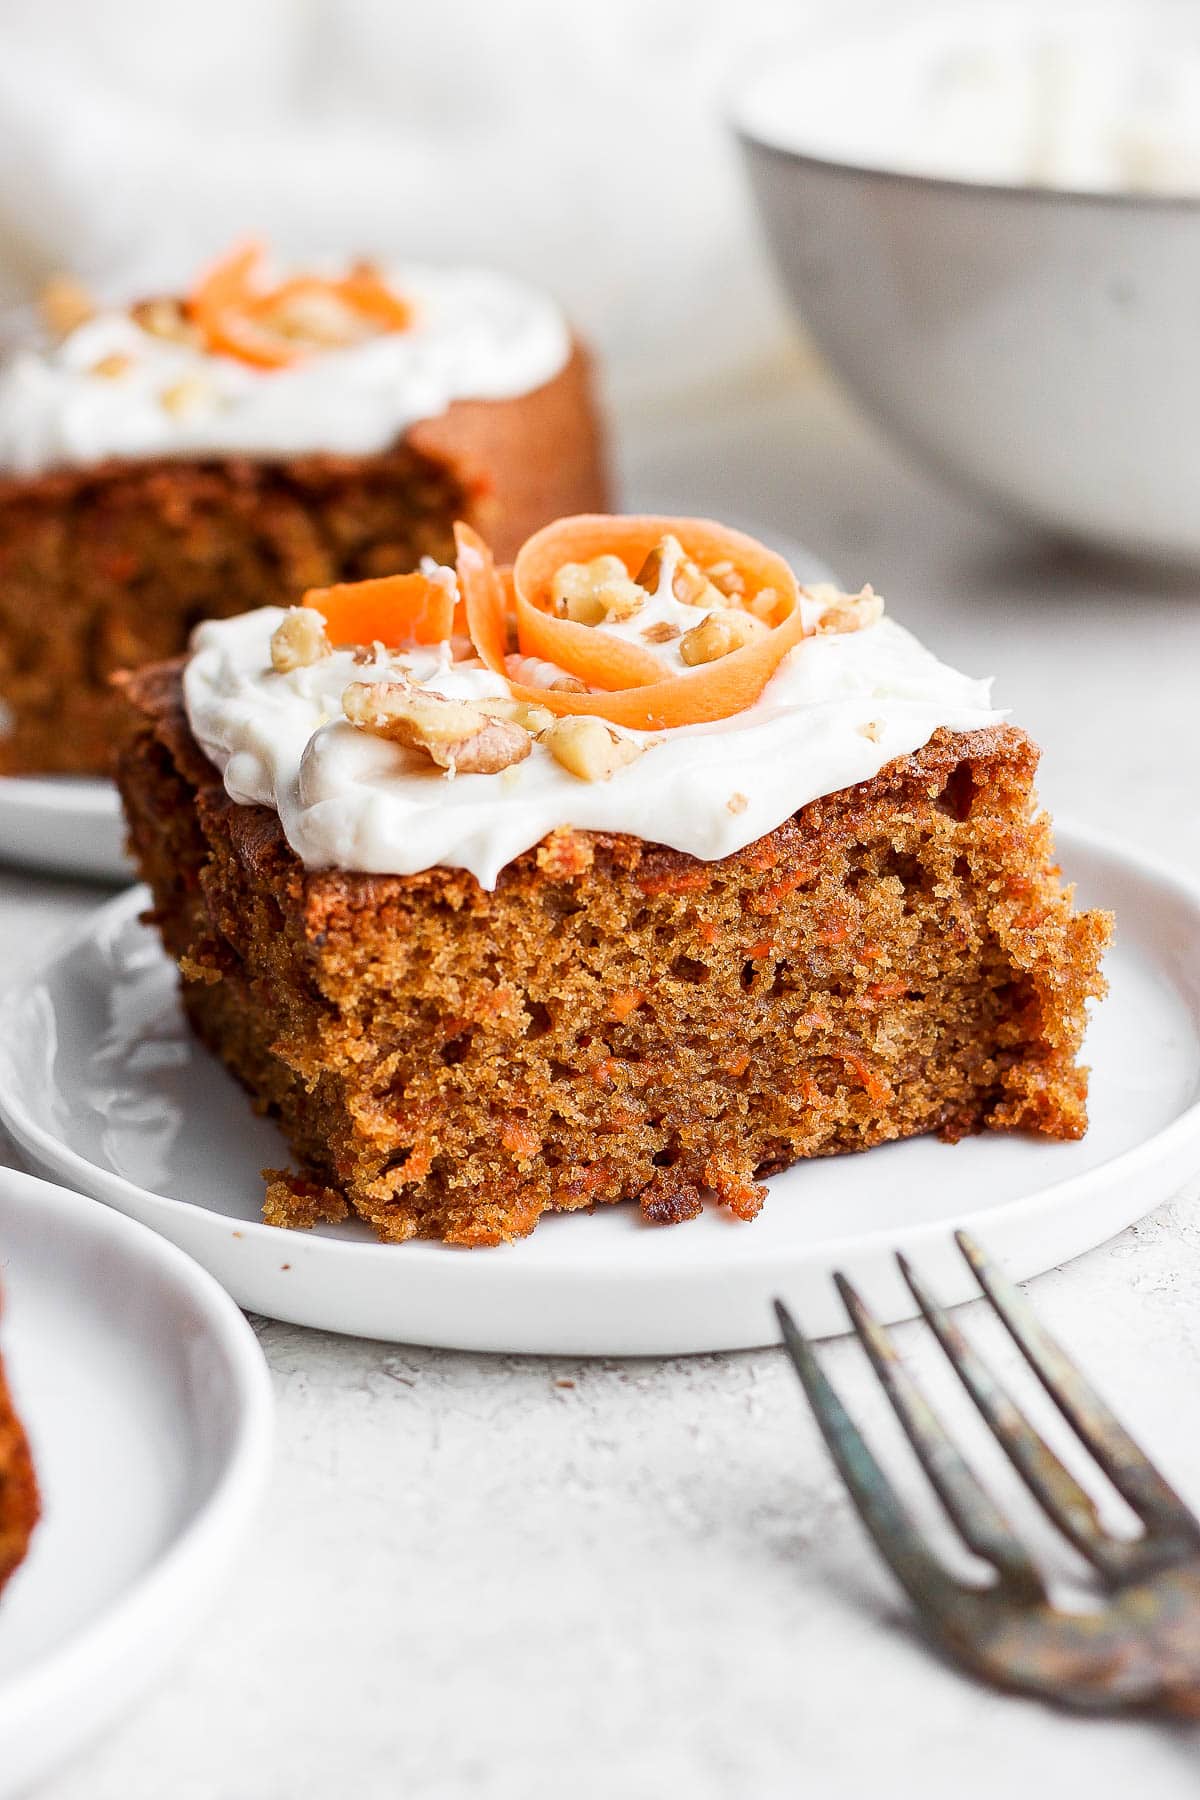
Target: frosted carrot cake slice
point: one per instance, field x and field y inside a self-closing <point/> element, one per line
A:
<point x="203" y="454"/>
<point x="634" y="872"/>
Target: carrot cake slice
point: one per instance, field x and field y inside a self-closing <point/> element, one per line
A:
<point x="199" y="455"/>
<point x="19" y="1507"/>
<point x="635" y="872"/>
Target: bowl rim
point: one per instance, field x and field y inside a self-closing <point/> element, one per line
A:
<point x="1106" y="199"/>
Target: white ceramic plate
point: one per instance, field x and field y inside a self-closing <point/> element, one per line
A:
<point x="67" y="824"/>
<point x="72" y="825"/>
<point x="102" y="1085"/>
<point x="147" y="1404"/>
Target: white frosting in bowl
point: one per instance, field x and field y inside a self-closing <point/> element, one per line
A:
<point x="1006" y="95"/>
<point x="476" y="335"/>
<point x="838" y="708"/>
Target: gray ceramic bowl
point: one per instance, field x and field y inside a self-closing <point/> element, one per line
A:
<point x="1040" y="347"/>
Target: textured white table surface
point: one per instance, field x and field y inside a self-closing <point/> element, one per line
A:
<point x="513" y="1578"/>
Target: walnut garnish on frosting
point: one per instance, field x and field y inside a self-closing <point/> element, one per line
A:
<point x="727" y="580"/>
<point x="65" y="305"/>
<point x="165" y="318"/>
<point x="602" y="592"/>
<point x="690" y="585"/>
<point x="599" y="592"/>
<point x="587" y="748"/>
<point x="299" y="640"/>
<point x="190" y="395"/>
<point x="841" y="612"/>
<point x="112" y="366"/>
<point x="526" y="713"/>
<point x="455" y="734"/>
<point x="719" y="634"/>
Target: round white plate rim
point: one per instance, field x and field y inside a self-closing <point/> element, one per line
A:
<point x="210" y="1536"/>
<point x="473" y="1270"/>
<point x="76" y="795"/>
<point x="65" y="825"/>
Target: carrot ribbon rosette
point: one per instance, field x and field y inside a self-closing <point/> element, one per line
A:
<point x="637" y="693"/>
<point x="271" y="327"/>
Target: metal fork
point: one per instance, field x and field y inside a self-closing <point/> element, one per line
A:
<point x="1141" y="1649"/>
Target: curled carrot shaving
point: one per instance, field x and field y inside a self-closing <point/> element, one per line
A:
<point x="393" y="610"/>
<point x="637" y="695"/>
<point x="239" y="316"/>
<point x="587" y="651"/>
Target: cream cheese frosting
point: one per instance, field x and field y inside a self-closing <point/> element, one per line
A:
<point x="476" y="334"/>
<point x="838" y="708"/>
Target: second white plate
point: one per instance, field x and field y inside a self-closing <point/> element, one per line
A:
<point x="147" y="1405"/>
<point x="67" y="824"/>
<point x="103" y="1086"/>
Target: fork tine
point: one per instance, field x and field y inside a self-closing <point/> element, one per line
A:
<point x="1124" y="1462"/>
<point x="1051" y="1483"/>
<point x="928" y="1585"/>
<point x="980" y="1523"/>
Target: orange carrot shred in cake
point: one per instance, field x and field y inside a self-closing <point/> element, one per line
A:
<point x="707" y="875"/>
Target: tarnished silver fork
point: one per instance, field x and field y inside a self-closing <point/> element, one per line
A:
<point x="1141" y="1648"/>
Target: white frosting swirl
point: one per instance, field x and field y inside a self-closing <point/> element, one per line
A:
<point x="476" y="335"/>
<point x="837" y="710"/>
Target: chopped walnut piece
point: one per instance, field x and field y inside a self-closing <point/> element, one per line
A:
<point x="185" y="396"/>
<point x="165" y="318"/>
<point x="587" y="748"/>
<point x="455" y="734"/>
<point x="321" y="319"/>
<point x="737" y="803"/>
<point x="299" y="640"/>
<point x="662" y="633"/>
<point x="718" y="634"/>
<point x="765" y="605"/>
<point x="846" y="612"/>
<point x="65" y="305"/>
<point x="526" y="713"/>
<point x="366" y="654"/>
<point x="872" y="729"/>
<point x="597" y="592"/>
<point x="113" y="366"/>
<point x="726" y="578"/>
<point x="689" y="586"/>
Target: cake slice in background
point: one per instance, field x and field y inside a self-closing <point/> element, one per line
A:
<point x="19" y="1506"/>
<point x="197" y="456"/>
<point x="709" y="875"/>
